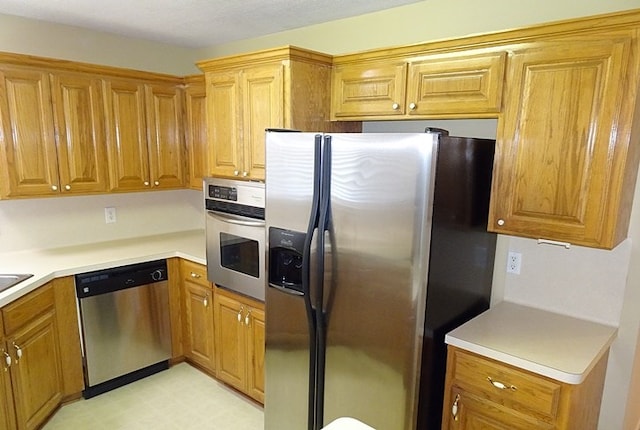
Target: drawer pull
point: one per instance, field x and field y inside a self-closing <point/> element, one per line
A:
<point x="454" y="408"/>
<point x="500" y="385"/>
<point x="195" y="275"/>
<point x="205" y="302"/>
<point x="7" y="360"/>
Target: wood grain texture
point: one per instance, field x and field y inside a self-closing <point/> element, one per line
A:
<point x="196" y="130"/>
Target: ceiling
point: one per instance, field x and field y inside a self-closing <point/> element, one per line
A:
<point x="193" y="23"/>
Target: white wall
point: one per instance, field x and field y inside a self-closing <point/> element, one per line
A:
<point x="62" y="221"/>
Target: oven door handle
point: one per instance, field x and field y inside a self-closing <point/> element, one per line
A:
<point x="235" y="219"/>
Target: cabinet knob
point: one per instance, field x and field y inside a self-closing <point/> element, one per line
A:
<point x="205" y="302"/>
<point x="412" y="106"/>
<point x="246" y="318"/>
<point x="54" y="187"/>
<point x="245" y="174"/>
<point x="18" y="352"/>
<point x="67" y="187"/>
<point x="7" y="360"/>
<point x="236" y="172"/>
<point x="395" y="106"/>
<point x="500" y="222"/>
<point x="454" y="408"/>
<point x="240" y="313"/>
<point x="156" y="183"/>
<point x="146" y="183"/>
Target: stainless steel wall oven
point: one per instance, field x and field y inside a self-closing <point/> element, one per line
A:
<point x="236" y="235"/>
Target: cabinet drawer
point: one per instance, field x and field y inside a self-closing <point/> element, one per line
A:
<point x="194" y="272"/>
<point x="26" y="309"/>
<point x="505" y="385"/>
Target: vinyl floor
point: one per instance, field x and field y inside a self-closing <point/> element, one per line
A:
<point x="181" y="398"/>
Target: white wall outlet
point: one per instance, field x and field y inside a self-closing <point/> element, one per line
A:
<point x="110" y="215"/>
<point x="514" y="261"/>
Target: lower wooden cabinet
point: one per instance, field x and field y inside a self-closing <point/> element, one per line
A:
<point x="240" y="333"/>
<point x="198" y="335"/>
<point x="481" y="393"/>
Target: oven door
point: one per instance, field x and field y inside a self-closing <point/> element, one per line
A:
<point x="236" y="253"/>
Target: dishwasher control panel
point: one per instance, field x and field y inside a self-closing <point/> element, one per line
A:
<point x="119" y="278"/>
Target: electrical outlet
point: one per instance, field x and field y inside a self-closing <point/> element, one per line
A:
<point x="514" y="261"/>
<point x="110" y="215"/>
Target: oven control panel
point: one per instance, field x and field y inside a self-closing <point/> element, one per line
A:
<point x="223" y="193"/>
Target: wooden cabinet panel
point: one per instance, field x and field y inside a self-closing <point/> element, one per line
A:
<point x="79" y="117"/>
<point x="7" y="412"/>
<point x="263" y="98"/>
<point x="368" y="90"/>
<point x="165" y="124"/>
<point x="224" y="116"/>
<point x="199" y="334"/>
<point x="563" y="146"/>
<point x="27" y="136"/>
<point x="456" y="84"/>
<point x="481" y="393"/>
<point x="126" y="135"/>
<point x="240" y="335"/>
<point x="196" y="131"/>
<point x="36" y="376"/>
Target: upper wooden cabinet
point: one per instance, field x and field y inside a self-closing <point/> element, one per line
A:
<point x="565" y="163"/>
<point x="196" y="130"/>
<point x="51" y="134"/>
<point x="454" y="85"/>
<point x="246" y="94"/>
<point x="144" y="135"/>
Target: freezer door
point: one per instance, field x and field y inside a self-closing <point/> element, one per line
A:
<point x="289" y="189"/>
<point x="375" y="284"/>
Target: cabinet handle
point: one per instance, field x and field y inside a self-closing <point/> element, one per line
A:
<point x="245" y="174"/>
<point x="412" y="106"/>
<point x="195" y="275"/>
<point x="18" y="352"/>
<point x="54" y="188"/>
<point x="454" y="408"/>
<point x="67" y="187"/>
<point x="205" y="302"/>
<point x="500" y="385"/>
<point x="395" y="106"/>
<point x="246" y="318"/>
<point x="240" y="313"/>
<point x="146" y="183"/>
<point x="236" y="172"/>
<point x="156" y="183"/>
<point x="7" y="360"/>
<point x="500" y="222"/>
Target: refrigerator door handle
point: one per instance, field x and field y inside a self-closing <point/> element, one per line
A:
<point x="306" y="281"/>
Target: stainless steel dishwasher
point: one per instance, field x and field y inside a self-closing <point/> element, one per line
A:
<point x="126" y="333"/>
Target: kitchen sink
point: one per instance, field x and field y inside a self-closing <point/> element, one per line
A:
<point x="8" y="281"/>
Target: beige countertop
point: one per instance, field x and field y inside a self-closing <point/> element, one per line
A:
<point x="48" y="264"/>
<point x="550" y="344"/>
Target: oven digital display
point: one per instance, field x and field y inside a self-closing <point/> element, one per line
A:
<point x="239" y="254"/>
<point x="223" y="193"/>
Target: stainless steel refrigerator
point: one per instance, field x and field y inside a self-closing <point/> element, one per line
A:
<point x="377" y="246"/>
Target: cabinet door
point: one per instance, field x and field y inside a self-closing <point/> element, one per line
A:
<point x="198" y="337"/>
<point x="126" y="135"/>
<point x="79" y="116"/>
<point x="263" y="107"/>
<point x="27" y="139"/>
<point x="369" y="90"/>
<point x="223" y="125"/>
<point x="563" y="142"/>
<point x="256" y="351"/>
<point x="456" y="85"/>
<point x="7" y="415"/>
<point x="36" y="375"/>
<point x="166" y="136"/>
<point x="230" y="336"/>
<point x="196" y="132"/>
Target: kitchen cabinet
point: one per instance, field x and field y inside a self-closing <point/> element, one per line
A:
<point x="198" y="306"/>
<point x="240" y="335"/>
<point x="196" y="130"/>
<point x="144" y="135"/>
<point x="32" y="357"/>
<point x="52" y="133"/>
<point x="484" y="393"/>
<point x="565" y="163"/>
<point x="452" y="85"/>
<point x="246" y="94"/>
